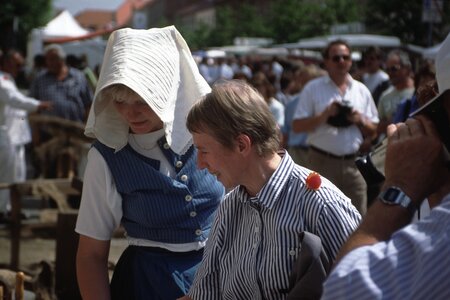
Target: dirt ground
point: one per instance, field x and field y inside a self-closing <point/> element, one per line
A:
<point x="34" y="249"/>
<point x="41" y="246"/>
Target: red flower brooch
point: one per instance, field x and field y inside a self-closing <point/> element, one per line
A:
<point x="313" y="181"/>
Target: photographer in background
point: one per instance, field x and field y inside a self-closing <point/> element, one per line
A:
<point x="387" y="257"/>
<point x="341" y="118"/>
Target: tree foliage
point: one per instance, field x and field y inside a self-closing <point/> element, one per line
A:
<point x="295" y="19"/>
<point x="223" y="32"/>
<point x="286" y="21"/>
<point x="404" y="20"/>
<point x="197" y="37"/>
<point x="249" y="23"/>
<point x="290" y="20"/>
<point x="19" y="17"/>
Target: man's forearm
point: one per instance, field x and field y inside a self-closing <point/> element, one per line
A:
<point x="416" y="141"/>
<point x="368" y="128"/>
<point x="307" y="124"/>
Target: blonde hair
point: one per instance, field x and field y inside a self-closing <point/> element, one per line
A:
<point x="115" y="92"/>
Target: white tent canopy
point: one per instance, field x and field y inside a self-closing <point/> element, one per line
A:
<point x="64" y="25"/>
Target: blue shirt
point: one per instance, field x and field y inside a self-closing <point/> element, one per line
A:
<point x="255" y="241"/>
<point x="404" y="109"/>
<point x="294" y="139"/>
<point x="71" y="96"/>
<point x="413" y="264"/>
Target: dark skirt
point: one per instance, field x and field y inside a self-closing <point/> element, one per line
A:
<point x="154" y="273"/>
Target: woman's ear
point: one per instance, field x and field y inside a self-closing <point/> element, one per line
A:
<point x="244" y="143"/>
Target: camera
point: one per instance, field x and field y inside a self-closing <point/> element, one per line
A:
<point x="371" y="166"/>
<point x="340" y="119"/>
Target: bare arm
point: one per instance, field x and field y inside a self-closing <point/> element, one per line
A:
<point x="92" y="268"/>
<point x="414" y="163"/>
<point x="368" y="130"/>
<point x="382" y="126"/>
<point x="367" y="127"/>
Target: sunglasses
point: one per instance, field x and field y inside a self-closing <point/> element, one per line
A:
<point x="338" y="58"/>
<point x="393" y="69"/>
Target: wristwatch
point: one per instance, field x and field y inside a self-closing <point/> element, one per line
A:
<point x="395" y="196"/>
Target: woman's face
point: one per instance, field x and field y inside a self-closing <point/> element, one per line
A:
<point x="224" y="163"/>
<point x="138" y="114"/>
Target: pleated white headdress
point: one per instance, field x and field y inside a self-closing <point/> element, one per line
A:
<point x="157" y="64"/>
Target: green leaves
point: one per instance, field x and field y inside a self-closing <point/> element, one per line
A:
<point x="404" y="20"/>
<point x="19" y="17"/>
<point x="285" y="21"/>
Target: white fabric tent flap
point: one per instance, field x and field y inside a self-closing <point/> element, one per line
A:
<point x="64" y="25"/>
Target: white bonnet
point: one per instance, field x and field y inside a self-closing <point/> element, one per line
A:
<point x="157" y="64"/>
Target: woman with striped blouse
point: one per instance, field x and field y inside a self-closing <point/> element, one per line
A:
<point x="255" y="238"/>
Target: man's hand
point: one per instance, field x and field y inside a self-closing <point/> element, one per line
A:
<point x="45" y="106"/>
<point x="356" y="118"/>
<point x="311" y="123"/>
<point x="368" y="129"/>
<point x="331" y="110"/>
<point x="415" y="162"/>
<point x="415" y="158"/>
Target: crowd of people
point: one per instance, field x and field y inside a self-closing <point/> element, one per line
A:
<point x="226" y="173"/>
<point x="379" y="90"/>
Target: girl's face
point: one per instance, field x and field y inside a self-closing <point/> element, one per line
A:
<point x="138" y="114"/>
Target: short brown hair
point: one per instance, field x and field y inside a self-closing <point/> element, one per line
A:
<point x="232" y="108"/>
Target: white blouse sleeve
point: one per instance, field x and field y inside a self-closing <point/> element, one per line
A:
<point x="101" y="205"/>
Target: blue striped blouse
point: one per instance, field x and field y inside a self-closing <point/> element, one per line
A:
<point x="255" y="241"/>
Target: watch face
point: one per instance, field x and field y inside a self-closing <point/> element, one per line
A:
<point x="391" y="195"/>
<point x="395" y="196"/>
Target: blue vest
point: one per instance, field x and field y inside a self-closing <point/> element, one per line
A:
<point x="157" y="207"/>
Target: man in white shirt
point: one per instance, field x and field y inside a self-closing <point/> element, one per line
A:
<point x="339" y="115"/>
<point x="11" y="98"/>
